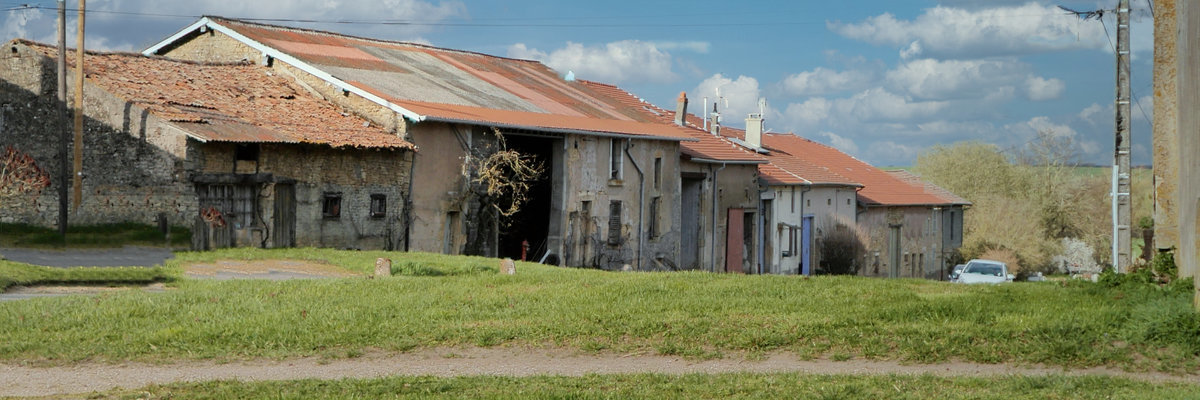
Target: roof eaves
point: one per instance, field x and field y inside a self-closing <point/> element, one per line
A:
<point x="286" y="58"/>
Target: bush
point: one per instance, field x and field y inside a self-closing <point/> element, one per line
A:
<point x="840" y="249"/>
<point x="1161" y="272"/>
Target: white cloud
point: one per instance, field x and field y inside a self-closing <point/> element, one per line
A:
<point x="625" y="61"/>
<point x="955" y="79"/>
<point x="741" y="94"/>
<point x="1041" y="89"/>
<point x="1041" y="124"/>
<point x="1092" y="112"/>
<point x="881" y="105"/>
<point x="948" y="32"/>
<point x="841" y="143"/>
<point x="821" y="81"/>
<point x="16" y="23"/>
<point x="810" y="112"/>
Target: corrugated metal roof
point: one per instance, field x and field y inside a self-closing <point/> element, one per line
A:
<point x="706" y="146"/>
<point x="228" y="103"/>
<point x="930" y="188"/>
<point x="454" y="85"/>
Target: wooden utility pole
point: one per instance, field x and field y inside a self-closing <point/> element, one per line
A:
<point x="63" y="134"/>
<point x="78" y="179"/>
<point x="1122" y="248"/>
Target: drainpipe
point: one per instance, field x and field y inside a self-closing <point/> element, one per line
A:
<point x="641" y="200"/>
<point x="804" y="189"/>
<point x="715" y="205"/>
<point x="408" y="206"/>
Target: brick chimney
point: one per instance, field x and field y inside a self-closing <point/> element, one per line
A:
<point x="714" y="127"/>
<point x="754" y="130"/>
<point x="681" y="109"/>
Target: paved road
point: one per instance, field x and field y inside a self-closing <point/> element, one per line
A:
<point x="128" y="256"/>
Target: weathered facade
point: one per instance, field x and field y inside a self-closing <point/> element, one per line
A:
<point x="607" y="197"/>
<point x="264" y="162"/>
<point x="1176" y="142"/>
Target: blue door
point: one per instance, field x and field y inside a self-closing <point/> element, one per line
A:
<point x="806" y="245"/>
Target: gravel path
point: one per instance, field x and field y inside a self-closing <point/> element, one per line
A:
<point x="128" y="256"/>
<point x="18" y="380"/>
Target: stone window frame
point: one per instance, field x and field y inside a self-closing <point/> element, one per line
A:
<point x="331" y="205"/>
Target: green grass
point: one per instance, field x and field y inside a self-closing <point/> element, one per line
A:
<point x="646" y="386"/>
<point x="107" y="235"/>
<point x="462" y="301"/>
<point x="12" y="273"/>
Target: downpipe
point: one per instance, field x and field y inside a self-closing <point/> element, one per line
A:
<point x="641" y="202"/>
<point x="715" y="206"/>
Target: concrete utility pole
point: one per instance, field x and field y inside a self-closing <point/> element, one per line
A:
<point x="63" y="134"/>
<point x="1122" y="248"/>
<point x="78" y="180"/>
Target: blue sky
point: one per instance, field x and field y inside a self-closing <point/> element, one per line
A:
<point x="882" y="80"/>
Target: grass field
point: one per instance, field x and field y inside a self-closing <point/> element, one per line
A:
<point x="718" y="386"/>
<point x="12" y="273"/>
<point x="436" y="300"/>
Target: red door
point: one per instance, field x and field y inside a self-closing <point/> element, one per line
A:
<point x="734" y="241"/>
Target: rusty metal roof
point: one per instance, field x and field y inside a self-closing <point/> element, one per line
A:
<point x="228" y="102"/>
<point x="706" y="147"/>
<point x="444" y="84"/>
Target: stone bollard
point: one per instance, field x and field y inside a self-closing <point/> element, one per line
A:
<point x="626" y="268"/>
<point x="383" y="267"/>
<point x="508" y="267"/>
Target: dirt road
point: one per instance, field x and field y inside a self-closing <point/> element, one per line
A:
<point x="85" y="378"/>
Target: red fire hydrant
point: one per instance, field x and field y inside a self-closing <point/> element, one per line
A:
<point x="524" y="249"/>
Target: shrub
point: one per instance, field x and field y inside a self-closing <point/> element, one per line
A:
<point x="840" y="249"/>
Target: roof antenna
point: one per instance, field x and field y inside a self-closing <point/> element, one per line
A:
<point x="570" y="76"/>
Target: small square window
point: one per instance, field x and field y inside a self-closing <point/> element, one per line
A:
<point x="378" y="206"/>
<point x="829" y="202"/>
<point x="331" y="205"/>
<point x="246" y="152"/>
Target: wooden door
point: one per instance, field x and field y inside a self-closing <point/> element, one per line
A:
<point x="284" y="219"/>
<point x="734" y="241"/>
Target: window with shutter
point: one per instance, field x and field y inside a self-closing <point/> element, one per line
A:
<point x="614" y="222"/>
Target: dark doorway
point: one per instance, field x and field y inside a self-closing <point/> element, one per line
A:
<point x="689" y="245"/>
<point x="285" y="215"/>
<point x="532" y="222"/>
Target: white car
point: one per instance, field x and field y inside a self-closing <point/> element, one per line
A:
<point x="985" y="271"/>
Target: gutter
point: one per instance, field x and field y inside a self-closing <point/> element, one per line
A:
<point x="641" y="202"/>
<point x="550" y="130"/>
<point x="723" y="162"/>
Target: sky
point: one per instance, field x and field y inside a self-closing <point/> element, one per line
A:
<point x="883" y="80"/>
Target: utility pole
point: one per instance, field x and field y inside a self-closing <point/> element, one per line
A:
<point x="1121" y="177"/>
<point x="63" y="134"/>
<point x="78" y="179"/>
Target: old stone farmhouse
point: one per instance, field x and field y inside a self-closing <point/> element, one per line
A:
<point x="265" y="162"/>
<point x="610" y="191"/>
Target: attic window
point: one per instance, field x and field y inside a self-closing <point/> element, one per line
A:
<point x="14" y="49"/>
<point x="614" y="159"/>
<point x="246" y="152"/>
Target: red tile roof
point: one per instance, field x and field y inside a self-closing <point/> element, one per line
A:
<point x="444" y="84"/>
<point x="228" y="102"/>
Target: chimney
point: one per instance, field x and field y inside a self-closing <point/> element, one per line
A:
<point x="715" y="126"/>
<point x="754" y="130"/>
<point x="681" y="110"/>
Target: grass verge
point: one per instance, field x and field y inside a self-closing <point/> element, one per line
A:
<point x="461" y="301"/>
<point x="13" y="273"/>
<point x="106" y="235"/>
<point x="771" y="386"/>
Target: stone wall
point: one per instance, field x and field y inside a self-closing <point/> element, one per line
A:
<point x="133" y="163"/>
<point x="1165" y="125"/>
<point x="923" y="243"/>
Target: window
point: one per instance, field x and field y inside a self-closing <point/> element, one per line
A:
<point x="793" y="199"/>
<point x="829" y="202"/>
<point x="378" y="205"/>
<point x="614" y="159"/>
<point x="657" y="173"/>
<point x="808" y="203"/>
<point x="246" y="152"/>
<point x="614" y="222"/>
<point x="331" y="205"/>
<point x="791" y="244"/>
<point x="847" y="201"/>
<point x="235" y="203"/>
<point x="654" y="204"/>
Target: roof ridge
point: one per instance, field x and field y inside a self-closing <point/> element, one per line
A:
<point x="217" y="18"/>
<point x="33" y="43"/>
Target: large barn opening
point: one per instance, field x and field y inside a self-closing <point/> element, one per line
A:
<point x="532" y="223"/>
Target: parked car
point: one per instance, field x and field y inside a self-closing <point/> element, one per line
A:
<point x="985" y="271"/>
<point x="956" y="271"/>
